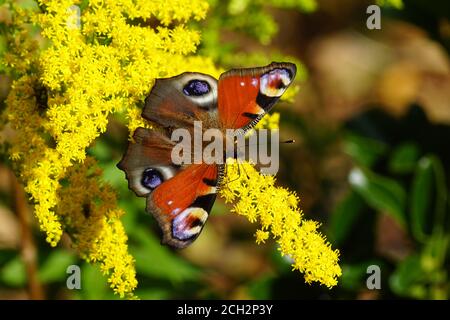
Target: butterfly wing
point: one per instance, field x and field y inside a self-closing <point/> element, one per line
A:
<point x="246" y="95"/>
<point x="179" y="197"/>
<point x="179" y="101"/>
<point x="182" y="204"/>
<point x="149" y="155"/>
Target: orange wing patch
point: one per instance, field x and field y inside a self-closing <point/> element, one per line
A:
<point x="245" y="95"/>
<point x="187" y="185"/>
<point x="237" y="100"/>
<point x="182" y="204"/>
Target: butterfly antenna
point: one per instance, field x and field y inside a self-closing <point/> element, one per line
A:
<point x="258" y="142"/>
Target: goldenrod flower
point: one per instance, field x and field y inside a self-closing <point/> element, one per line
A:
<point x="95" y="226"/>
<point x="101" y="62"/>
<point x="276" y="210"/>
<point x="256" y="197"/>
<point x="269" y="121"/>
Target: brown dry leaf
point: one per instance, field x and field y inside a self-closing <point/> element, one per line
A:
<point x="393" y="67"/>
<point x="344" y="70"/>
<point x="368" y="295"/>
<point x="420" y="73"/>
<point x="392" y="240"/>
<point x="398" y="87"/>
<point x="434" y="95"/>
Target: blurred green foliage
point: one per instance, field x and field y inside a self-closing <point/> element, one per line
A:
<point x="398" y="173"/>
<point x="398" y="4"/>
<point x="250" y="19"/>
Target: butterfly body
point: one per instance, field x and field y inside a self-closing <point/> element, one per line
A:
<point x="180" y="196"/>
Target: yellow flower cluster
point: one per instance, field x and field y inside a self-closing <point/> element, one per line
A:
<point x="269" y="121"/>
<point x="95" y="226"/>
<point x="100" y="57"/>
<point x="36" y="163"/>
<point x="258" y="199"/>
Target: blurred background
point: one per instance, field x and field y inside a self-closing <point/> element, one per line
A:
<point x="371" y="117"/>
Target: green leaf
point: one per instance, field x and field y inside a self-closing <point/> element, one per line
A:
<point x="134" y="207"/>
<point x="261" y="288"/>
<point x="55" y="266"/>
<point x="428" y="198"/>
<point x="113" y="175"/>
<point x="424" y="275"/>
<point x="421" y="199"/>
<point x="404" y="158"/>
<point x="6" y="255"/>
<point x="407" y="279"/>
<point x="363" y="150"/>
<point x="94" y="285"/>
<point x="101" y="151"/>
<point x="153" y="294"/>
<point x="397" y="4"/>
<point x="344" y="216"/>
<point x="434" y="252"/>
<point x="381" y="193"/>
<point x="13" y="273"/>
<point x="155" y="260"/>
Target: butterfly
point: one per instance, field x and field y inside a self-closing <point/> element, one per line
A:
<point x="180" y="197"/>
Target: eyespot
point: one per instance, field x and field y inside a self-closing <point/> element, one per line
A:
<point x="188" y="224"/>
<point x="151" y="178"/>
<point x="275" y="82"/>
<point x="196" y="88"/>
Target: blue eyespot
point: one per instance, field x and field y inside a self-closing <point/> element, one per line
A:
<point x="196" y="88"/>
<point x="151" y="178"/>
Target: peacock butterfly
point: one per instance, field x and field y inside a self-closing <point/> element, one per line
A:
<point x="180" y="197"/>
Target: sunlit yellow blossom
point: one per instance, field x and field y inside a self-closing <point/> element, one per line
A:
<point x="89" y="209"/>
<point x="103" y="62"/>
<point x="276" y="209"/>
<point x="256" y="197"/>
<point x="261" y="236"/>
<point x="269" y="121"/>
